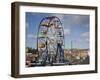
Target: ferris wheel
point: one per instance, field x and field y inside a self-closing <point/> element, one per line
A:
<point x="50" y="41"/>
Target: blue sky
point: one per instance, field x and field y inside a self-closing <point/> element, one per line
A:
<point x="76" y="28"/>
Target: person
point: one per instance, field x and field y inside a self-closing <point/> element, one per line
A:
<point x="60" y="51"/>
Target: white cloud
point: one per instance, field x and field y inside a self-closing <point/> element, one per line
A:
<point x="84" y="40"/>
<point x="30" y="36"/>
<point x="81" y="20"/>
<point x="85" y="34"/>
<point x="87" y="39"/>
<point x="66" y="31"/>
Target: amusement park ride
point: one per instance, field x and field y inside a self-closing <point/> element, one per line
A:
<point x="50" y="41"/>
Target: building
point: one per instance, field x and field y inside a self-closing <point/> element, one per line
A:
<point x="76" y="56"/>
